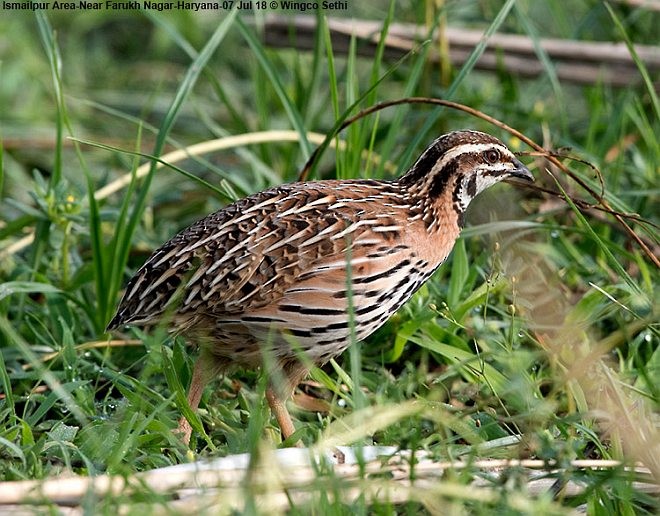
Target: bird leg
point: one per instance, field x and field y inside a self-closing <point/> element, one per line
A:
<point x="277" y="403"/>
<point x="277" y="396"/>
<point x="277" y="406"/>
<point x="203" y="373"/>
<point x="206" y="368"/>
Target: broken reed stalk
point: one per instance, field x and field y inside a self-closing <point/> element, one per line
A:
<point x="579" y="62"/>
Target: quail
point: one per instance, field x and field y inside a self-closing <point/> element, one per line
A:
<point x="285" y="278"/>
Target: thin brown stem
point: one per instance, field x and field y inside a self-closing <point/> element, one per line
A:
<point x="551" y="156"/>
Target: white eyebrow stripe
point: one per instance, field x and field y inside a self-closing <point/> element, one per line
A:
<point x="469" y="148"/>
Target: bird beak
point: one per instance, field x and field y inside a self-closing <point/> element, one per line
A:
<point x="521" y="171"/>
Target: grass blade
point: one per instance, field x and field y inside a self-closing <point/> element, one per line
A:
<point x="289" y="107"/>
<point x="648" y="83"/>
<point x="604" y="248"/>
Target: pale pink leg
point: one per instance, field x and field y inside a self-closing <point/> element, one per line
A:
<point x="202" y="374"/>
<point x="277" y="400"/>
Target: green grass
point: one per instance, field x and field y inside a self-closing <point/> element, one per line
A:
<point x="537" y="339"/>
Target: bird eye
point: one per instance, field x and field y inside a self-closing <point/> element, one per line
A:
<point x="492" y="156"/>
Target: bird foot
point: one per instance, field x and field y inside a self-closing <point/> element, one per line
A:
<point x="338" y="455"/>
<point x="184" y="431"/>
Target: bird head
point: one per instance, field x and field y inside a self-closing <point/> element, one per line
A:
<point x="455" y="168"/>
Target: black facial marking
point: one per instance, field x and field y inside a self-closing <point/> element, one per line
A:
<point x="441" y="179"/>
<point x="456" y="198"/>
<point x="472" y="186"/>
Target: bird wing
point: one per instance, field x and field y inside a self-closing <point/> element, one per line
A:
<point x="247" y="255"/>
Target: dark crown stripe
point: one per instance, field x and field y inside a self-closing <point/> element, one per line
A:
<point x="472" y="186"/>
<point x="424" y="164"/>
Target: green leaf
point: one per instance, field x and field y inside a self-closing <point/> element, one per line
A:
<point x="26" y="287"/>
<point x="62" y="432"/>
<point x="12" y="449"/>
<point x="478" y="297"/>
<point x="48" y="403"/>
<point x="464" y="360"/>
<point x="460" y="269"/>
<point x="5" y="381"/>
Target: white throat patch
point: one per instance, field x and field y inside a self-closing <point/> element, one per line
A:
<point x="473" y="185"/>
